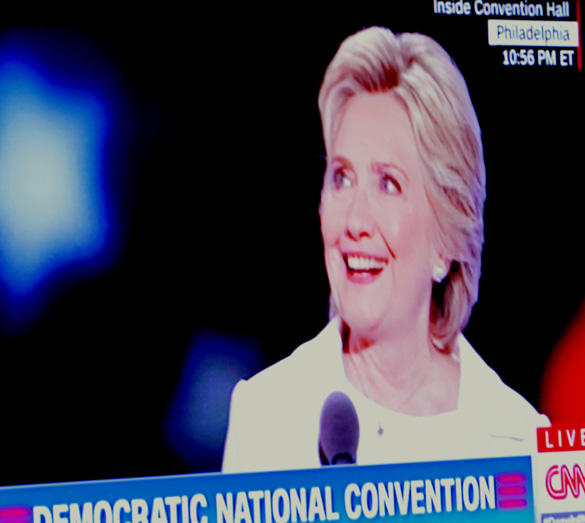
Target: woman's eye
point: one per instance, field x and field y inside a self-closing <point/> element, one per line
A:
<point x="390" y="185"/>
<point x="341" y="179"/>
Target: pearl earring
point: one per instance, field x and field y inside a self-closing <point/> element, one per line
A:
<point x="439" y="273"/>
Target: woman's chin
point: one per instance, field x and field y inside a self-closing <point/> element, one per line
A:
<point x="363" y="322"/>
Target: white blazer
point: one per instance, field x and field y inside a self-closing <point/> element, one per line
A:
<point x="274" y="416"/>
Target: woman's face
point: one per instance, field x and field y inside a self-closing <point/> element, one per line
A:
<point x="376" y="220"/>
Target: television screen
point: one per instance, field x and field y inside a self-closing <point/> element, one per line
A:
<point x="162" y="219"/>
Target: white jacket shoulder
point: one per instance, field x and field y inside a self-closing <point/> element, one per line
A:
<point x="503" y="411"/>
<point x="281" y="403"/>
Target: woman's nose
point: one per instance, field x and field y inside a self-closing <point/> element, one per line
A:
<point x="359" y="222"/>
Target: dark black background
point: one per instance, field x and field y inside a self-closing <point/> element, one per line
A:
<point x="216" y="161"/>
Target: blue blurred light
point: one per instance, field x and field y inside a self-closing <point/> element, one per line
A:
<point x="197" y="418"/>
<point x="52" y="206"/>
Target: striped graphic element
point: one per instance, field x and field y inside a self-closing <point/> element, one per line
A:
<point x="511" y="491"/>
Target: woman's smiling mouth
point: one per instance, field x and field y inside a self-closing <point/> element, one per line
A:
<point x="363" y="267"/>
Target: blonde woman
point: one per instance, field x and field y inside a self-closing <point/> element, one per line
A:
<point x="402" y="225"/>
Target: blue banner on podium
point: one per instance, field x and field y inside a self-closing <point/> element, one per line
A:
<point x="480" y="490"/>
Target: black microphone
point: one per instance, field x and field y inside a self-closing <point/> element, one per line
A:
<point x="339" y="431"/>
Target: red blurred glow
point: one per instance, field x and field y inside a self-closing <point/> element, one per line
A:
<point x="562" y="396"/>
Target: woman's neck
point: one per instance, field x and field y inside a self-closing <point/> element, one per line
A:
<point x="404" y="373"/>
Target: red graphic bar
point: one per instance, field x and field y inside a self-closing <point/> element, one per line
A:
<point x="511" y="478"/>
<point x="15" y="515"/>
<point x="512" y="503"/>
<point x="560" y="438"/>
<point x="15" y="512"/>
<point x="511" y="491"/>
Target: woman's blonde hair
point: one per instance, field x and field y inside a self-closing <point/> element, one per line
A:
<point x="421" y="74"/>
